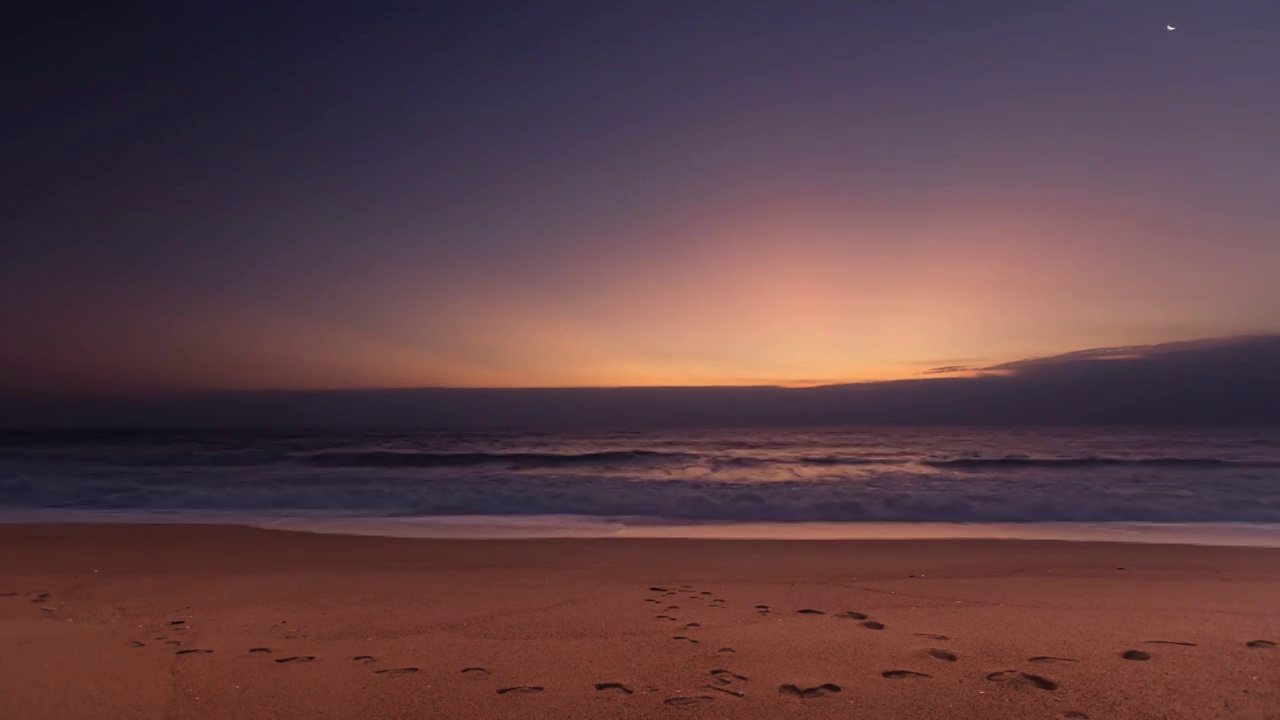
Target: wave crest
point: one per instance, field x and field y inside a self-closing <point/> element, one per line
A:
<point x="387" y="459"/>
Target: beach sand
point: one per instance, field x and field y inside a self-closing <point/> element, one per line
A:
<point x="101" y="621"/>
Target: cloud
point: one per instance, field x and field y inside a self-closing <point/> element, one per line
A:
<point x="949" y="369"/>
<point x="1178" y="350"/>
<point x="1212" y="382"/>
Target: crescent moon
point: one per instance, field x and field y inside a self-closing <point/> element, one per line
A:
<point x="1171" y="27"/>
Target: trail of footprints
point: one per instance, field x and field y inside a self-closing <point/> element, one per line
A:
<point x="473" y="672"/>
<point x="727" y="682"/>
<point x="720" y="681"/>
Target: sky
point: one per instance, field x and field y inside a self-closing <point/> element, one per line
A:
<point x="307" y="196"/>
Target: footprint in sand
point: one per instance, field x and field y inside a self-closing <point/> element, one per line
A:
<point x="727" y="677"/>
<point x="669" y="608"/>
<point x="601" y="687"/>
<point x="942" y="654"/>
<point x="1260" y="644"/>
<point x="687" y="700"/>
<point x="476" y="672"/>
<point x="1135" y="655"/>
<point x="853" y="615"/>
<point x="396" y="671"/>
<point x="690" y="626"/>
<point x="135" y="643"/>
<point x="42" y="597"/>
<point x="873" y="625"/>
<point x="931" y="636"/>
<point x="1169" y="642"/>
<point x="296" y="659"/>
<point x="1015" y="677"/>
<point x="657" y="589"/>
<point x="653" y="600"/>
<point x="365" y="659"/>
<point x="175" y="643"/>
<point x="810" y="611"/>
<point x="1044" y="659"/>
<point x="175" y="623"/>
<point x="726" y="691"/>
<point x="663" y="617"/>
<point x="762" y="609"/>
<point x="260" y="651"/>
<point x="810" y="692"/>
<point x="705" y="592"/>
<point x="686" y="639"/>
<point x="726" y="651"/>
<point x="521" y="690"/>
<point x="904" y="675"/>
<point x="193" y="651"/>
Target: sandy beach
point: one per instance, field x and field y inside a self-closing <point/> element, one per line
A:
<point x="101" y="621"/>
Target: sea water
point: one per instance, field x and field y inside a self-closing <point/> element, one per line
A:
<point x="1219" y="485"/>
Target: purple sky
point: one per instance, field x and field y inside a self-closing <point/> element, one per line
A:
<point x="361" y="195"/>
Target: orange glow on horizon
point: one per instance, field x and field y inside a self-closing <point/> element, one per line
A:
<point x="789" y="295"/>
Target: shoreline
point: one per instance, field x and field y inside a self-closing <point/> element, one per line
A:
<point x="530" y="527"/>
<point x="205" y="621"/>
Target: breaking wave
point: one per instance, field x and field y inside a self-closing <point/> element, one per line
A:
<point x="849" y="475"/>
<point x="473" y="459"/>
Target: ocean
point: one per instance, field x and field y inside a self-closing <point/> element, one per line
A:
<point x="768" y="482"/>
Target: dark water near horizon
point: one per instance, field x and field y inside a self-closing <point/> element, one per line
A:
<point x="780" y="475"/>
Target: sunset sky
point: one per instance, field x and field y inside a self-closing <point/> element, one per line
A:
<point x="392" y="194"/>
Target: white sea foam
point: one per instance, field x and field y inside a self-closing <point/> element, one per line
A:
<point x="475" y="527"/>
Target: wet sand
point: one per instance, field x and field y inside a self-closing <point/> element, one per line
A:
<point x="101" y="621"/>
